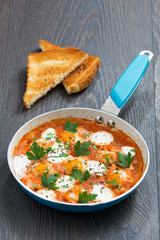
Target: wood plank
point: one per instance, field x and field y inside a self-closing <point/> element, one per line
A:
<point x="115" y="31"/>
<point x="156" y="49"/>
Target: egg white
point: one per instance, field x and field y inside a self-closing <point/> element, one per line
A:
<point x="20" y="165"/>
<point x="102" y="138"/>
<point x="65" y="181"/>
<point x="44" y="135"/>
<point x="122" y="174"/>
<point x="48" y="194"/>
<point x="103" y="193"/>
<point x="57" y="150"/>
<point x="95" y="167"/>
<point x="127" y="149"/>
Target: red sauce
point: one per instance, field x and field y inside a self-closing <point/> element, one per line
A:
<point x="86" y="127"/>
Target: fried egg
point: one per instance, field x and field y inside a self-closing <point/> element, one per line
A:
<point x="69" y="137"/>
<point x="127" y="149"/>
<point x="20" y="165"/>
<point x="102" y="138"/>
<point x="78" y="162"/>
<point x="103" y="193"/>
<point x="48" y="135"/>
<point x="83" y="135"/>
<point x="73" y="193"/>
<point x="58" y="153"/>
<point x="65" y="183"/>
<point x="40" y="168"/>
<point x="48" y="194"/>
<point x="95" y="167"/>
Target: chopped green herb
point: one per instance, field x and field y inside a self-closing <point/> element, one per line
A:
<point x="125" y="160"/>
<point x="70" y="137"/>
<point x="94" y="146"/>
<point x="116" y="172"/>
<point x="104" y="167"/>
<point x="48" y="149"/>
<point x="77" y="174"/>
<point x="34" y="186"/>
<point x="85" y="198"/>
<point x="67" y="145"/>
<point x="47" y="170"/>
<point x="70" y="179"/>
<point x="59" y="145"/>
<point x="107" y="159"/>
<point x="34" y="139"/>
<point x="81" y="148"/>
<point x="86" y="134"/>
<point x="114" y="183"/>
<point x="49" y="182"/>
<point x="49" y="136"/>
<point x="65" y="186"/>
<point x="58" y="141"/>
<point x="71" y="127"/>
<point x="62" y="179"/>
<point x="36" y="152"/>
<point x="62" y="155"/>
<point x="133" y="150"/>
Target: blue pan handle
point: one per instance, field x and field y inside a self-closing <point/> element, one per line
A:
<point x="130" y="79"/>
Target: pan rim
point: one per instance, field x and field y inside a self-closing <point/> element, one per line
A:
<point x="9" y="159"/>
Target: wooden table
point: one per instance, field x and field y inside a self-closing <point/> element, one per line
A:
<point x="115" y="31"/>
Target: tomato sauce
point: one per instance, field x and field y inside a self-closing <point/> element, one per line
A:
<point x="114" y="177"/>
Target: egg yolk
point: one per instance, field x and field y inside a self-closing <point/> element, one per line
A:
<point x="73" y="194"/>
<point x="40" y="168"/>
<point x="114" y="176"/>
<point x="73" y="163"/>
<point x="69" y="136"/>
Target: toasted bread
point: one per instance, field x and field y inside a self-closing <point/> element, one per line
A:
<point x="49" y="68"/>
<point x="46" y="46"/>
<point x="82" y="76"/>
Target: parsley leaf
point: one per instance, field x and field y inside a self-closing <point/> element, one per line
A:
<point x="81" y="148"/>
<point x="114" y="183"/>
<point x="85" y="198"/>
<point x="50" y="181"/>
<point x="36" y="152"/>
<point x="71" y="127"/>
<point x="34" y="139"/>
<point x="34" y="186"/>
<point x="77" y="174"/>
<point x="125" y="160"/>
<point x="86" y="175"/>
<point x="107" y="159"/>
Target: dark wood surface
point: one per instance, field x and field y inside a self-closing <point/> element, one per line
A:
<point x="115" y="31"/>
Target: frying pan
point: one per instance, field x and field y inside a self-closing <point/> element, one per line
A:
<point x="119" y="96"/>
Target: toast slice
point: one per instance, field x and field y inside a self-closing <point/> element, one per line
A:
<point x="49" y="68"/>
<point x="82" y="76"/>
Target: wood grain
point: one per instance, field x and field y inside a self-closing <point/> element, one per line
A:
<point x="115" y="31"/>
